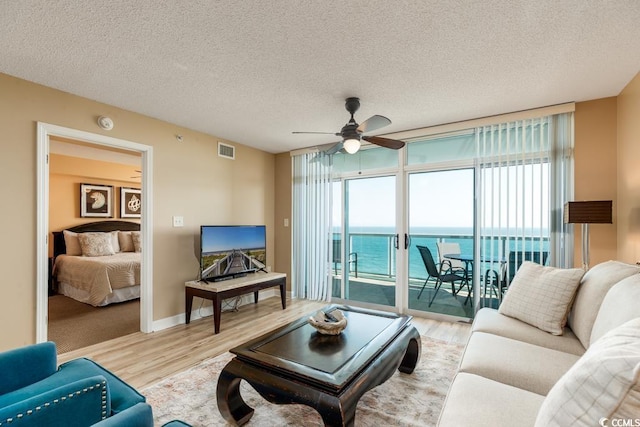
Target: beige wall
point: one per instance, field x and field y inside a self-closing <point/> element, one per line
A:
<point x="595" y="173"/>
<point x="189" y="180"/>
<point x="283" y="212"/>
<point x="628" y="178"/>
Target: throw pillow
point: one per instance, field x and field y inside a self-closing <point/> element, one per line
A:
<point x="71" y="243"/>
<point x="137" y="241"/>
<point x="541" y="296"/>
<point x="603" y="385"/>
<point x="95" y="244"/>
<point x="126" y="243"/>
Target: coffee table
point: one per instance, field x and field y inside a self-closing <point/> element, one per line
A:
<point x="296" y="364"/>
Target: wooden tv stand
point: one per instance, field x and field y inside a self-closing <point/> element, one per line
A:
<point x="217" y="291"/>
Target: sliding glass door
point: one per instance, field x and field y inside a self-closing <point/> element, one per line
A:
<point x="490" y="194"/>
<point x="365" y="240"/>
<point x="440" y="222"/>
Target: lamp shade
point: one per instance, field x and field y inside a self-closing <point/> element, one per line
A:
<point x="590" y="212"/>
<point x="351" y="145"/>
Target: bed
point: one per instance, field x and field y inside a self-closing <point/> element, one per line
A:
<point x="98" y="263"/>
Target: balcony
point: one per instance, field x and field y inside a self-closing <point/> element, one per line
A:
<point x="371" y="268"/>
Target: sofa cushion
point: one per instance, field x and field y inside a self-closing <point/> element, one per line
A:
<point x="620" y="305"/>
<point x="139" y="415"/>
<point x="593" y="287"/>
<point x="489" y="320"/>
<point x="516" y="363"/>
<point x="541" y="296"/>
<point x="604" y="383"/>
<point x="476" y="401"/>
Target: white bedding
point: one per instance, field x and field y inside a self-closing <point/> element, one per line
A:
<point x="94" y="280"/>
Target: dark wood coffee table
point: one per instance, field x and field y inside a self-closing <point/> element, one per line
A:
<point x="296" y="364"/>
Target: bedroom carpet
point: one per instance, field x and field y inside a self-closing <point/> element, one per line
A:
<point x="74" y="325"/>
<point x="404" y="400"/>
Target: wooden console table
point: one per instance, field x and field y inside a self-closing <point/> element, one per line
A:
<point x="217" y="291"/>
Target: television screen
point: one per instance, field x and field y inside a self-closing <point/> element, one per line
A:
<point x="228" y="250"/>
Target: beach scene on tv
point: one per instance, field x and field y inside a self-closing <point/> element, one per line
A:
<point x="227" y="250"/>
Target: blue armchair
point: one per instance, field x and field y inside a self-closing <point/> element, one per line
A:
<point x="35" y="392"/>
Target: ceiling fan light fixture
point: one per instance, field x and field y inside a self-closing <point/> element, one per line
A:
<point x="351" y="145"/>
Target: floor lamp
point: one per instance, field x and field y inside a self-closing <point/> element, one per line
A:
<point x="585" y="213"/>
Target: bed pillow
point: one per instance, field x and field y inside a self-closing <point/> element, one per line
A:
<point x="125" y="240"/>
<point x="96" y="244"/>
<point x="542" y="296"/>
<point x="71" y="243"/>
<point x="115" y="242"/>
<point x="137" y="242"/>
<point x="604" y="384"/>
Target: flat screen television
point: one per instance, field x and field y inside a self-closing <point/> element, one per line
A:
<point x="228" y="251"/>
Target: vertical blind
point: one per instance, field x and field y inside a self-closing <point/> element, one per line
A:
<point x="524" y="178"/>
<point x="311" y="226"/>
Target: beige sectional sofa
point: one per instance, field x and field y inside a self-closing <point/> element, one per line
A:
<point x="587" y="373"/>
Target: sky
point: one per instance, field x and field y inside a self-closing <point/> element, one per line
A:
<point x="442" y="199"/>
<point x="222" y="238"/>
<point x="445" y="199"/>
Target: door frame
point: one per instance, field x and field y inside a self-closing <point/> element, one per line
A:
<point x="360" y="175"/>
<point x="44" y="131"/>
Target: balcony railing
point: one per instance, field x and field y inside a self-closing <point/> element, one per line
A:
<point x="373" y="255"/>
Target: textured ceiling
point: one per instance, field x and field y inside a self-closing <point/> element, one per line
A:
<point x="254" y="71"/>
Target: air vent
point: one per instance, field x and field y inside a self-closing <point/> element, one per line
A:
<point x="226" y="151"/>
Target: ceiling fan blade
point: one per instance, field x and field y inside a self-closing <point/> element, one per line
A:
<point x="319" y="133"/>
<point x="384" y="142"/>
<point x="373" y="123"/>
<point x="333" y="150"/>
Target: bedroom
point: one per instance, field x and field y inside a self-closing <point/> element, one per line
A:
<point x="77" y="312"/>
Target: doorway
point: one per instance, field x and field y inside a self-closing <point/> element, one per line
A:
<point x="45" y="131"/>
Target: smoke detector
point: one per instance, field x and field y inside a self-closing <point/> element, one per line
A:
<point x="105" y="123"/>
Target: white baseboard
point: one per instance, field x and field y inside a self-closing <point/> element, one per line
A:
<point x="206" y="310"/>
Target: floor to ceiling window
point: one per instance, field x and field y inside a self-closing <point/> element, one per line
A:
<point x="489" y="197"/>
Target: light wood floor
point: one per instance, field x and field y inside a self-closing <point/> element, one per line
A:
<point x="143" y="359"/>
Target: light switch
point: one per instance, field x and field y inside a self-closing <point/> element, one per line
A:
<point x="286" y="222"/>
<point x="178" y="221"/>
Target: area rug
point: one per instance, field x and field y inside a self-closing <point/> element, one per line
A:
<point x="404" y="400"/>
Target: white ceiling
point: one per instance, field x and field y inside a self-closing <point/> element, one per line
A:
<point x="254" y="71"/>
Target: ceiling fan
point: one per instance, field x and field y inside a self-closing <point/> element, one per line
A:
<point x="352" y="132"/>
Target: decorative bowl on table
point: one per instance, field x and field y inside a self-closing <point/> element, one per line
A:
<point x="331" y="323"/>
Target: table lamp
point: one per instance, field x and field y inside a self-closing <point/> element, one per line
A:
<point x="585" y="213"/>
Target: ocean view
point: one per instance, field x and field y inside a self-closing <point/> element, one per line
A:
<point x="376" y="253"/>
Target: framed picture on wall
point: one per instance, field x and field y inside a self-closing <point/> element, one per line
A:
<point x="130" y="202"/>
<point x="96" y="201"/>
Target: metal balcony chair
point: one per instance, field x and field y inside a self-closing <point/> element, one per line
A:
<point x="351" y="261"/>
<point x="445" y="248"/>
<point x="443" y="273"/>
<point x="498" y="283"/>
